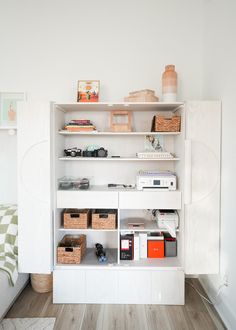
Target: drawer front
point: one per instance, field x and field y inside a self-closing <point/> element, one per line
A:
<point x="87" y="199"/>
<point x="150" y="200"/>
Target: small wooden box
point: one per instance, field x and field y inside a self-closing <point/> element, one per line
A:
<point x="163" y="124"/>
<point x="104" y="219"/>
<point x="76" y="218"/>
<point x="120" y="121"/>
<point x="71" y="249"/>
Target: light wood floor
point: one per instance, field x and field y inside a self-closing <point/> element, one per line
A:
<point x="194" y="315"/>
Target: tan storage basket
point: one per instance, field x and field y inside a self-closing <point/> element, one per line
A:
<point x="76" y="218"/>
<point x="41" y="282"/>
<point x="163" y="124"/>
<point x="104" y="219"/>
<point x="71" y="249"/>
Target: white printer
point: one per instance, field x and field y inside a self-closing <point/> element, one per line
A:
<point x="162" y="180"/>
<point x="167" y="219"/>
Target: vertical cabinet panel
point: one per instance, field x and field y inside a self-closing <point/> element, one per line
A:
<point x="167" y="287"/>
<point x="69" y="287"/>
<point x="202" y="187"/>
<point x="101" y="286"/>
<point x="34" y="188"/>
<point x="134" y="287"/>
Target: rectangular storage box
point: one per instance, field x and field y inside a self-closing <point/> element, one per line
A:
<point x="170" y="247"/>
<point x="76" y="218"/>
<point x="164" y="124"/>
<point x="104" y="219"/>
<point x="71" y="249"/>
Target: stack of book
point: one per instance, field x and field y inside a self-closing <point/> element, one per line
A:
<point x="80" y="125"/>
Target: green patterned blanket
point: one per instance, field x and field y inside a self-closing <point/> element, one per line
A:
<point x="9" y="241"/>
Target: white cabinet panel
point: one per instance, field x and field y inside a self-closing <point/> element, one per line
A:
<point x="202" y="198"/>
<point x="34" y="188"/>
<point x="150" y="200"/>
<point x="134" y="287"/>
<point x="167" y="287"/>
<point x="101" y="286"/>
<point x="87" y="199"/>
<point x="69" y="286"/>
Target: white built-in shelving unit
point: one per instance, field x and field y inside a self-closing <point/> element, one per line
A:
<point x="41" y="163"/>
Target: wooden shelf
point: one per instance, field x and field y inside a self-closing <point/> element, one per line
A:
<point x="65" y="132"/>
<point x="128" y="106"/>
<point x="117" y="159"/>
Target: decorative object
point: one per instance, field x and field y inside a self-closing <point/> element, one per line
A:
<point x="145" y="95"/>
<point x="8" y="108"/>
<point x="154" y="143"/>
<point x="33" y="323"/>
<point x="88" y="90"/>
<point x="169" y="84"/>
<point x="120" y="121"/>
<point x="164" y="124"/>
<point x="41" y="283"/>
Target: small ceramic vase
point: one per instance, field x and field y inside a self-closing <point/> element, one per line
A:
<point x="169" y="84"/>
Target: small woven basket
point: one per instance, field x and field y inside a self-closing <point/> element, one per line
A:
<point x="41" y="283"/>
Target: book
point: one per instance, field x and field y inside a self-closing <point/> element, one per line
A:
<point x="143" y="245"/>
<point x="136" y="246"/>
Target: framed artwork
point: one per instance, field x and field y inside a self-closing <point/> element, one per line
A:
<point x="154" y="143"/>
<point x="8" y="108"/>
<point x="88" y="90"/>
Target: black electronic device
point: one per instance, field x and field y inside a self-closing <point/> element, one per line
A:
<point x="73" y="152"/>
<point x="100" y="252"/>
<point x="100" y="152"/>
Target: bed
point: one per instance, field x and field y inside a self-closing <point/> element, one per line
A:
<point x="11" y="283"/>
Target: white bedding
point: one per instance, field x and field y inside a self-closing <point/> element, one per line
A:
<point x="8" y="293"/>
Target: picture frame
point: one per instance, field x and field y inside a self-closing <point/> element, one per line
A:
<point x="8" y="108"/>
<point x="88" y="90"/>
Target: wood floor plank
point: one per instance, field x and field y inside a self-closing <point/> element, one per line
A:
<point x="93" y="317"/>
<point x="113" y="317"/>
<point x="70" y="317"/>
<point x="195" y="314"/>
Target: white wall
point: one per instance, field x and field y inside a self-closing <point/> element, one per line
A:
<point x="46" y="46"/>
<point x="220" y="83"/>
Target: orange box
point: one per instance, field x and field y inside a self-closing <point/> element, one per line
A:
<point x="156" y="249"/>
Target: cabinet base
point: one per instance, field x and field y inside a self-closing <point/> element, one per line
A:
<point x="118" y="286"/>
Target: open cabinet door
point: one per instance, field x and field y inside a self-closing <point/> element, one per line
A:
<point x="34" y="188"/>
<point x="202" y="187"/>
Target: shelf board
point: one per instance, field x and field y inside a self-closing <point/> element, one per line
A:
<point x="90" y="260"/>
<point x="117" y="159"/>
<point x="7" y="127"/>
<point x="149" y="225"/>
<point x="162" y="263"/>
<point x="128" y="106"/>
<point x="65" y="132"/>
<point x="104" y="188"/>
<point x="86" y="230"/>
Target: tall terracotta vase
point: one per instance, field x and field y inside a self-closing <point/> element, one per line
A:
<point x="169" y="84"/>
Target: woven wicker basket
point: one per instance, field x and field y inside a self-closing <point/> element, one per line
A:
<point x="41" y="282"/>
<point x="163" y="124"/>
<point x="104" y="219"/>
<point x="76" y="218"/>
<point x="71" y="249"/>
